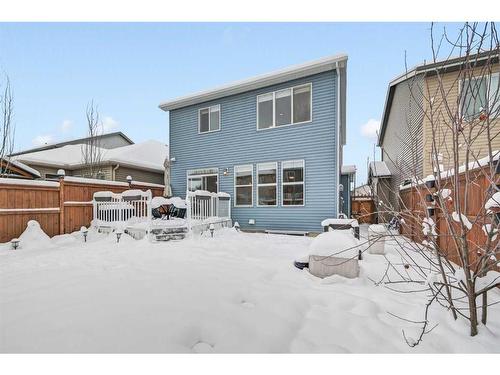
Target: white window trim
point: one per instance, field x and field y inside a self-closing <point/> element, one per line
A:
<point x="274" y="184"/>
<point x="294" y="183"/>
<point x="199" y="119"/>
<point x="201" y="175"/>
<point x="250" y="166"/>
<point x="488" y="92"/>
<point x="291" y="103"/>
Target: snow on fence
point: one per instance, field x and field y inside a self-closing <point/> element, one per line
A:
<point x="109" y="207"/>
<point x="60" y="207"/>
<point x="415" y="206"/>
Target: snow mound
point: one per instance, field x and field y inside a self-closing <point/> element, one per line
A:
<point x="159" y="201"/>
<point x="133" y="193"/>
<point x="351" y="222"/>
<point x="340" y="243"/>
<point x="34" y="237"/>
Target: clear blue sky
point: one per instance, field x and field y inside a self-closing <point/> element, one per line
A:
<point x="128" y="69"/>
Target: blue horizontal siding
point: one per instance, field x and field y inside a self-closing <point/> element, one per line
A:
<point x="238" y="142"/>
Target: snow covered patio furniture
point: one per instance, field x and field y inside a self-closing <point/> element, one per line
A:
<point x="333" y="253"/>
<point x="377" y="235"/>
<point x="341" y="224"/>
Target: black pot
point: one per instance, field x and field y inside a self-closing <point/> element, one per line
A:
<point x="429" y="198"/>
<point x="431" y="211"/>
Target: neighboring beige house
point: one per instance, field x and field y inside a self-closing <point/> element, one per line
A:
<point x="406" y="136"/>
<point x="120" y="158"/>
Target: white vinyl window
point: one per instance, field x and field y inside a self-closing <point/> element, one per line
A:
<point x="209" y="119"/>
<point x="284" y="107"/>
<point x="480" y="95"/>
<point x="243" y="186"/>
<point x="266" y="184"/>
<point x="203" y="179"/>
<point x="292" y="183"/>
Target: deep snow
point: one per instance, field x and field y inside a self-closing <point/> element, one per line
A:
<point x="236" y="292"/>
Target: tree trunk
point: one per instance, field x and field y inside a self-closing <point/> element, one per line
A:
<point x="484" y="308"/>
<point x="472" y="308"/>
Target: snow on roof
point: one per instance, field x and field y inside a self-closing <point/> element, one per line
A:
<point x="148" y="155"/>
<point x="22" y="166"/>
<point x="379" y="169"/>
<point x="72" y="141"/>
<point x="348" y="169"/>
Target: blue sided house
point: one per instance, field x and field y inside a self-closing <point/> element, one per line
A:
<point x="273" y="142"/>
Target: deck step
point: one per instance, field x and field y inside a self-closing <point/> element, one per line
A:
<point x="169" y="236"/>
<point x="289" y="232"/>
<point x="169" y="230"/>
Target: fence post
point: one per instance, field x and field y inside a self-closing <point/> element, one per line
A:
<point x="61" y="201"/>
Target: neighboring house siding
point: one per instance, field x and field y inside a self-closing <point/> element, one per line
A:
<point x="46" y="170"/>
<point x="138" y="175"/>
<point x="106" y="172"/>
<point x="239" y="143"/>
<point x="402" y="146"/>
<point x="480" y="145"/>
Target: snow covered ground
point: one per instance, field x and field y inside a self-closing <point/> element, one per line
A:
<point x="236" y="292"/>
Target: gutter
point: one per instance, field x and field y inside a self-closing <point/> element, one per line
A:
<point x="257" y="82"/>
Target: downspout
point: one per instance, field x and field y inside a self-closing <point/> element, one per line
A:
<point x="113" y="174"/>
<point x="337" y="197"/>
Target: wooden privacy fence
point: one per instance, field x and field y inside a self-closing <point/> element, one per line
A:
<point x="414" y="202"/>
<point x="363" y="210"/>
<point x="60" y="207"/>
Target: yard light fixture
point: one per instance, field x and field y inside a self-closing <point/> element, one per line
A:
<point x="61" y="173"/>
<point x="85" y="232"/>
<point x="226" y="171"/>
<point x="118" y="235"/>
<point x="212" y="228"/>
<point x="237" y="226"/>
<point x="15" y="243"/>
<point x="129" y="180"/>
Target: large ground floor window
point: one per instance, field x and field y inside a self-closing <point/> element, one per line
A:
<point x="266" y="184"/>
<point x="292" y="183"/>
<point x="203" y="179"/>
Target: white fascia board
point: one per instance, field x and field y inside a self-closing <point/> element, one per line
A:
<point x="273" y="78"/>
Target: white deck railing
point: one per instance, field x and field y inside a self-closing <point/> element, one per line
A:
<point x="203" y="205"/>
<point x="133" y="205"/>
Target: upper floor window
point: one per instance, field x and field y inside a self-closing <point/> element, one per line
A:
<point x="284" y="107"/>
<point x="209" y="119"/>
<point x="480" y="95"/>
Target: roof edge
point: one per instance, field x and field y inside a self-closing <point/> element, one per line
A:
<point x="256" y="82"/>
<point x="425" y="68"/>
<point x="64" y="143"/>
